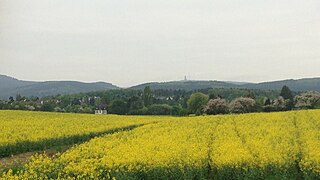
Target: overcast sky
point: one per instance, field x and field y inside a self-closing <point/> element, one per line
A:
<point x="127" y="42"/>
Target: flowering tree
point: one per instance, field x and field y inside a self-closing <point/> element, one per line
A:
<point x="307" y="100"/>
<point x="216" y="106"/>
<point x="242" y="105"/>
<point x="279" y="104"/>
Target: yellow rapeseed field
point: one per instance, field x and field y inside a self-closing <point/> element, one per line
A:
<point x="281" y="145"/>
<point x="23" y="131"/>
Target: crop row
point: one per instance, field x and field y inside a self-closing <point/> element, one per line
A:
<point x="251" y="146"/>
<point x="32" y="131"/>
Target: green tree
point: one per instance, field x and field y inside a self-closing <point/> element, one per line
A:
<point x="212" y="94"/>
<point x="287" y="95"/>
<point x="267" y="102"/>
<point x="48" y="106"/>
<point x="177" y="110"/>
<point x="11" y="99"/>
<point x="147" y="96"/>
<point x="119" y="107"/>
<point x="159" y="109"/>
<point x="18" y="97"/>
<point x="250" y="94"/>
<point x="135" y="103"/>
<point x="196" y="103"/>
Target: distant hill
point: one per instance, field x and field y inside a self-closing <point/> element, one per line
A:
<point x="186" y="85"/>
<point x="307" y="84"/>
<point x="11" y="87"/>
<point x="236" y="83"/>
<point x="7" y="82"/>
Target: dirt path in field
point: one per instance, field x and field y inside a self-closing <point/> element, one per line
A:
<point x="17" y="161"/>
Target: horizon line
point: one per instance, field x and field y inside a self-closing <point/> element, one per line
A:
<point x="166" y="81"/>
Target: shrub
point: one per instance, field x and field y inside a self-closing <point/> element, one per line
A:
<point x="159" y="109"/>
<point x="141" y="111"/>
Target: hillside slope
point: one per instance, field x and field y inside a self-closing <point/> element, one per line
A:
<point x="186" y="85"/>
<point x="307" y="84"/>
<point x="11" y="87"/>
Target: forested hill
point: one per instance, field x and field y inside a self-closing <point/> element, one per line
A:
<point x="11" y="87"/>
<point x="307" y="84"/>
<point x="186" y="85"/>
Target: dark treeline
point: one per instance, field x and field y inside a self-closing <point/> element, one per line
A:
<point x="168" y="102"/>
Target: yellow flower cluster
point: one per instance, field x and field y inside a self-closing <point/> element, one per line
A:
<point x="249" y="146"/>
<point x="167" y="146"/>
<point x="309" y="138"/>
<point x="256" y="141"/>
<point x="28" y="128"/>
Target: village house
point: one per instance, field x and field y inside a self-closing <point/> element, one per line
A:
<point x="101" y="110"/>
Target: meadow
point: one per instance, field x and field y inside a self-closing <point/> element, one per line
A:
<point x="283" y="145"/>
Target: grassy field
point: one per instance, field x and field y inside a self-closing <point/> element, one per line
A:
<point x="250" y="146"/>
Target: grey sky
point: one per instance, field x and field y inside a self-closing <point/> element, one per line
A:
<point x="127" y="42"/>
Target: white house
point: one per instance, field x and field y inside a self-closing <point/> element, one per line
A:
<point x="100" y="111"/>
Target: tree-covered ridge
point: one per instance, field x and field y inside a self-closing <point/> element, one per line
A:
<point x="11" y="87"/>
<point x="307" y="84"/>
<point x="186" y="85"/>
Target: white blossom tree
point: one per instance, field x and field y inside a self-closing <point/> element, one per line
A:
<point x="307" y="100"/>
<point x="242" y="105"/>
<point x="216" y="106"/>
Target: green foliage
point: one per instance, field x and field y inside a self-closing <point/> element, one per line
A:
<point x="196" y="102"/>
<point x="142" y="111"/>
<point x="119" y="107"/>
<point x="135" y="103"/>
<point x="232" y="93"/>
<point x="18" y="97"/>
<point x="147" y="96"/>
<point x="286" y="93"/>
<point x="250" y="94"/>
<point x="159" y="109"/>
<point x="48" y="106"/>
<point x="179" y="111"/>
